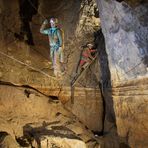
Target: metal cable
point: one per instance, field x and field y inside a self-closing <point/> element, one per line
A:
<point x="22" y="63"/>
<point x="44" y="56"/>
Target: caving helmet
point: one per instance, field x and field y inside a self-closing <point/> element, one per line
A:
<point x="54" y="21"/>
<point x="90" y="45"/>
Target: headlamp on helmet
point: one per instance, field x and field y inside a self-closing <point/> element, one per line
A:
<point x="53" y="20"/>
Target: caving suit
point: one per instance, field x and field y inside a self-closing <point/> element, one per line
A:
<point x="55" y="42"/>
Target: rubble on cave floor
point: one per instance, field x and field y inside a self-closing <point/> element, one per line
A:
<point x="35" y="120"/>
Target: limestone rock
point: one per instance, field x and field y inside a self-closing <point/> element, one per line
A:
<point x="6" y="141"/>
<point x="27" y="68"/>
<point x="131" y="111"/>
<point x="61" y="142"/>
<point x="125" y="29"/>
<point x="88" y="108"/>
<point x="19" y="73"/>
<point x="31" y="117"/>
<point x="1" y="74"/>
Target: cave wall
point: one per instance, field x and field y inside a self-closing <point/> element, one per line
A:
<point x="126" y="38"/>
<point x="67" y="21"/>
<point x="124" y="25"/>
<point x="25" y="64"/>
<point x="30" y="119"/>
<point x="9" y="21"/>
<point x="86" y="101"/>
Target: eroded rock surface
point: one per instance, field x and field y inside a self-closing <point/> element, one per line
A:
<point x="86" y="101"/>
<point x="101" y="102"/>
<point x="125" y="30"/>
<point x="32" y="118"/>
<point x="124" y="24"/>
<point x="6" y="141"/>
<point x="130" y="103"/>
<point x="23" y="64"/>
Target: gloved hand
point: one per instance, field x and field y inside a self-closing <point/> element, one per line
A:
<point x="45" y="22"/>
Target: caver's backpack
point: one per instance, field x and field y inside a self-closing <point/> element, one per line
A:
<point x="62" y="34"/>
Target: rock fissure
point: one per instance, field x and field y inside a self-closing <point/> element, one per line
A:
<point x="27" y="92"/>
<point x="109" y="107"/>
<point x="28" y="8"/>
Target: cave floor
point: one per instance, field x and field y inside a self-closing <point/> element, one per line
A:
<point x="34" y="119"/>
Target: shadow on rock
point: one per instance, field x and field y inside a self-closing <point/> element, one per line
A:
<point x="34" y="135"/>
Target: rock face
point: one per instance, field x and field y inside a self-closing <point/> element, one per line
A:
<point x="25" y="67"/>
<point x="125" y="32"/>
<point x="125" y="29"/>
<point x="88" y="108"/>
<point x="53" y="136"/>
<point x="84" y="98"/>
<point x="130" y="104"/>
<point x="65" y="143"/>
<point x="24" y="51"/>
<point x="6" y="141"/>
<point x="112" y="93"/>
<point x="35" y="120"/>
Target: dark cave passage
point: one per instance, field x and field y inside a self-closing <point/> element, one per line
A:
<point x="105" y="80"/>
<point x="28" y="8"/>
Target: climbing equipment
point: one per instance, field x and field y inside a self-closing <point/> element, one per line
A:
<point x="77" y="78"/>
<point x="80" y="74"/>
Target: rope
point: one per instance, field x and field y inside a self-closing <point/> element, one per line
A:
<point x="40" y="53"/>
<point x="44" y="56"/>
<point x="22" y="63"/>
<point x="127" y="36"/>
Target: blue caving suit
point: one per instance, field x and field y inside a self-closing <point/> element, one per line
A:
<point x="55" y="41"/>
